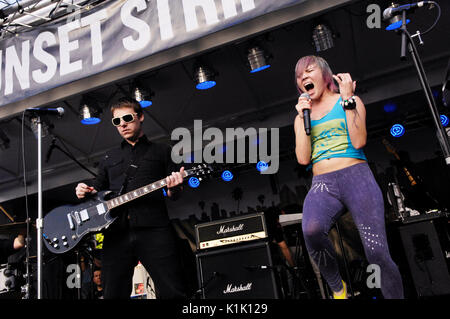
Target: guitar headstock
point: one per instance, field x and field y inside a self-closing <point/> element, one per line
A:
<point x="200" y="171"/>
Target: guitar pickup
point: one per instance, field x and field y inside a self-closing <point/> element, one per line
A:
<point x="71" y="225"/>
<point x="84" y="215"/>
<point x="77" y="218"/>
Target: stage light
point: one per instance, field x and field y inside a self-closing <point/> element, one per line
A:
<point x="164" y="192"/>
<point x="142" y="95"/>
<point x="262" y="166"/>
<point x="322" y="37"/>
<point x="396" y="23"/>
<point x="390" y="107"/>
<point x="435" y="93"/>
<point x="444" y="120"/>
<point x="257" y="59"/>
<point x="89" y="112"/>
<point x="194" y="182"/>
<point x="227" y="175"/>
<point x="189" y="157"/>
<point x="204" y="78"/>
<point x="397" y="130"/>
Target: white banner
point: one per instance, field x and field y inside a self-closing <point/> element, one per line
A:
<point x="112" y="34"/>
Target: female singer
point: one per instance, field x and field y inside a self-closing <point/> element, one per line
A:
<point x="341" y="175"/>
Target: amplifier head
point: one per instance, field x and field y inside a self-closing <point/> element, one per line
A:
<point x="244" y="228"/>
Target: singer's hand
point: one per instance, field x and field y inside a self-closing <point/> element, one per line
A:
<point x="82" y="189"/>
<point x="346" y="85"/>
<point x="303" y="103"/>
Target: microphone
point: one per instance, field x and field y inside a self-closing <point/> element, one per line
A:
<point x="50" y="150"/>
<point x="50" y="111"/>
<point x="306" y="117"/>
<point x="390" y="12"/>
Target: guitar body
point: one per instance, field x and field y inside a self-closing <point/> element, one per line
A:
<point x="65" y="226"/>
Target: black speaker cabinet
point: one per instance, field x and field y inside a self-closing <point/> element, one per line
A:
<point x="239" y="272"/>
<point x="429" y="270"/>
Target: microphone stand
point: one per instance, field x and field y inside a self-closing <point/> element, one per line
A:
<point x="408" y="40"/>
<point x="39" y="220"/>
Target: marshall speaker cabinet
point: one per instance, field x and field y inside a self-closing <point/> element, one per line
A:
<point x="241" y="272"/>
<point x="426" y="258"/>
<point x="234" y="260"/>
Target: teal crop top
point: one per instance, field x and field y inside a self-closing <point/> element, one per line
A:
<point x="330" y="138"/>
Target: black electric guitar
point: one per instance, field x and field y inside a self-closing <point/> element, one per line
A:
<point x="65" y="226"/>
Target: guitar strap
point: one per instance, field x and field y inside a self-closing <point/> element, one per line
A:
<point x="129" y="173"/>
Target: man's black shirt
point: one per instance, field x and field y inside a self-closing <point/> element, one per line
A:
<point x="153" y="161"/>
<point x="6" y="249"/>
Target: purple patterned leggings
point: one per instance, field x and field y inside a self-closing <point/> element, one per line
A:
<point x="354" y="188"/>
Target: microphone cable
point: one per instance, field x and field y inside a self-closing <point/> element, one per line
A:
<point x="28" y="238"/>
<point x="437" y="18"/>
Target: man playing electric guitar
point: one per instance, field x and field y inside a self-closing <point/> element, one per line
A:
<point x="142" y="231"/>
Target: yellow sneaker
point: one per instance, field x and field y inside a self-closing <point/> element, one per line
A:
<point x="343" y="295"/>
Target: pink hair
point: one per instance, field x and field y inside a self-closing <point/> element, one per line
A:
<point x="327" y="74"/>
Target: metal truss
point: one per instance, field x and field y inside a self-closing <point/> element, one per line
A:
<point x="17" y="16"/>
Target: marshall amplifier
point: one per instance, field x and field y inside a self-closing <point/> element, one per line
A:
<point x="239" y="272"/>
<point x="230" y="231"/>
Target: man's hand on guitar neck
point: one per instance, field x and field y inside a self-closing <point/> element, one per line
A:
<point x="172" y="182"/>
<point x="82" y="189"/>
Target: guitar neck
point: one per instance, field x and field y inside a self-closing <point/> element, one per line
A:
<point x="147" y="189"/>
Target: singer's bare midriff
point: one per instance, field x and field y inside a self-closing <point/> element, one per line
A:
<point x="334" y="164"/>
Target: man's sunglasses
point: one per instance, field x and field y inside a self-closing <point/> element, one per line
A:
<point x="127" y="118"/>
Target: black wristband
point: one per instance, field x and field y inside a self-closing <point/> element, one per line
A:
<point x="349" y="104"/>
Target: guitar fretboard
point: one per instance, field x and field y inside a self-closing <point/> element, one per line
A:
<point x="128" y="197"/>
